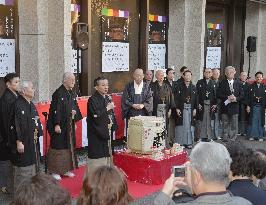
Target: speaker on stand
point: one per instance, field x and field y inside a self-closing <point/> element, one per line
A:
<point x="251" y="47"/>
<point x="80" y="42"/>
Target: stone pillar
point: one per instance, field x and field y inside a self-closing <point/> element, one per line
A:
<point x="45" y="43"/>
<point x="33" y="45"/>
<point x="59" y="43"/>
<point x="256" y="26"/>
<point x="186" y="35"/>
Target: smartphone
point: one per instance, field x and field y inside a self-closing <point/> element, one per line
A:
<point x="179" y="171"/>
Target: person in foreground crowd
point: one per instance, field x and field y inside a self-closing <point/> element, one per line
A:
<point x="206" y="90"/>
<point x="137" y="97"/>
<point x="240" y="173"/>
<point x="41" y="189"/>
<point x="217" y="115"/>
<point x="206" y="175"/>
<point x="180" y="80"/>
<point x="256" y="107"/>
<point x="259" y="169"/>
<point x="99" y="113"/>
<point x="230" y="93"/>
<point x="104" y="185"/>
<point x="185" y="97"/>
<point x="170" y="75"/>
<point x="63" y="112"/>
<point x="148" y="77"/>
<point x="26" y="122"/>
<point x="162" y="100"/>
<point x="243" y="117"/>
<point x="7" y="130"/>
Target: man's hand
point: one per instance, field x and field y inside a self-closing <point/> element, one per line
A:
<point x="214" y="107"/>
<point x="20" y="147"/>
<point x="178" y="112"/>
<point x="194" y="112"/>
<point x="200" y="107"/>
<point x="248" y="109"/>
<point x="172" y="184"/>
<point x="135" y="106"/>
<point x="110" y="106"/>
<point x="141" y="106"/>
<point x="57" y="129"/>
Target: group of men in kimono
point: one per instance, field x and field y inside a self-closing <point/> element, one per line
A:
<point x="21" y="129"/>
<point x="210" y="110"/>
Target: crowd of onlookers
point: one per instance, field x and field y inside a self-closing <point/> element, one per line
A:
<point x="214" y="174"/>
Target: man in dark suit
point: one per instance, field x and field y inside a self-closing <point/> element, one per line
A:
<point x="230" y="93"/>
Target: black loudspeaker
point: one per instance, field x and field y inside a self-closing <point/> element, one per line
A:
<point x="80" y="36"/>
<point x="251" y="44"/>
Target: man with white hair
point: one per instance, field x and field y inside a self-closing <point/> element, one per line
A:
<point x="26" y="122"/>
<point x="206" y="175"/>
<point x="230" y="93"/>
<point x="64" y="111"/>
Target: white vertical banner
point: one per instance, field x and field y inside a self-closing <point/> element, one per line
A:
<point x="84" y="132"/>
<point x="115" y="56"/>
<point x="213" y="57"/>
<point x="156" y="56"/>
<point x="7" y="56"/>
<point x="74" y="55"/>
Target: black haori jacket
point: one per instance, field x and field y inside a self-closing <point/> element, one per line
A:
<point x="224" y="91"/>
<point x="180" y="96"/>
<point x="204" y="89"/>
<point x="254" y="92"/>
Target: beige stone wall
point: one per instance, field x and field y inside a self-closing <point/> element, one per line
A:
<point x="256" y="26"/>
<point x="186" y="35"/>
<point x="45" y="43"/>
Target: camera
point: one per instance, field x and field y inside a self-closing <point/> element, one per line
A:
<point x="179" y="171"/>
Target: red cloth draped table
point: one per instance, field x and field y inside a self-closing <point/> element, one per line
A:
<point x="143" y="169"/>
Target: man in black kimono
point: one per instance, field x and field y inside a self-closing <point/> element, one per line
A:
<point x="148" y="76"/>
<point x="7" y="130"/>
<point x="137" y="97"/>
<point x="256" y="107"/>
<point x="243" y="105"/>
<point x="216" y="123"/>
<point x="162" y="100"/>
<point x="181" y="79"/>
<point x="63" y="114"/>
<point x="206" y="90"/>
<point x="186" y="104"/>
<point x="100" y="123"/>
<point x="27" y="132"/>
<point x="230" y="93"/>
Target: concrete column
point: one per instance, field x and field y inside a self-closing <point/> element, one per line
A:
<point x="33" y="45"/>
<point x="186" y="35"/>
<point x="45" y="43"/>
<point x="59" y="43"/>
<point x="256" y="26"/>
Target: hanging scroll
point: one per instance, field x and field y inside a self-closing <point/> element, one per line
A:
<point x="115" y="43"/>
<point x="157" y="47"/>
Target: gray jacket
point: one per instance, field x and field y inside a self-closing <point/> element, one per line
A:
<point x="224" y="199"/>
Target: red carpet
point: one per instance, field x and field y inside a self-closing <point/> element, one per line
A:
<point x="136" y="190"/>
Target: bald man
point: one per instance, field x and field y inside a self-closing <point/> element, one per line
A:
<point x="137" y="97"/>
<point x="63" y="112"/>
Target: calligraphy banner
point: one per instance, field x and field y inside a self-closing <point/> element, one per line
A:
<point x="213" y="57"/>
<point x="157" y="46"/>
<point x="7" y="56"/>
<point x="115" y="56"/>
<point x="115" y="41"/>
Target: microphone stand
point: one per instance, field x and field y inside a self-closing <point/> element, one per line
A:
<point x="45" y="114"/>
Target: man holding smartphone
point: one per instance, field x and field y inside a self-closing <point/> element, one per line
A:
<point x="206" y="175"/>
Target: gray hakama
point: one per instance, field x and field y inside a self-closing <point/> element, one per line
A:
<point x="205" y="124"/>
<point x="184" y="134"/>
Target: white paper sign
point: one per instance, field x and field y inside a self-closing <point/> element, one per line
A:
<point x="74" y="61"/>
<point x="115" y="56"/>
<point x="213" y="58"/>
<point x="7" y="56"/>
<point x="156" y="56"/>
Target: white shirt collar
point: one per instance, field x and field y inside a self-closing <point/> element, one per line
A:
<point x="138" y="88"/>
<point x="230" y="81"/>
